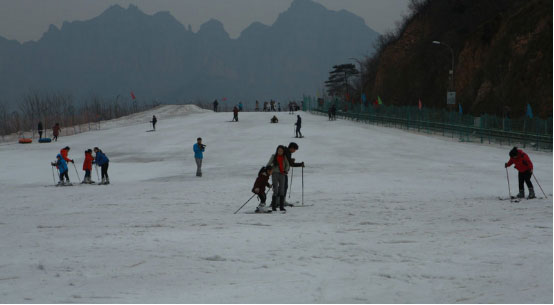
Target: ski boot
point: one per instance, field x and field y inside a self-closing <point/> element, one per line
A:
<point x="282" y="204"/>
<point x="531" y="194"/>
<point x="103" y="181"/>
<point x="273" y="203"/>
<point x="521" y="194"/>
<point x="262" y="208"/>
<point x="107" y="180"/>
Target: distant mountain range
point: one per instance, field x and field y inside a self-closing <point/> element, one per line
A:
<point x="158" y="58"/>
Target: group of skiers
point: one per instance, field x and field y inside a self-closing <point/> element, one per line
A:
<point x="100" y="159"/>
<point x="277" y="168"/>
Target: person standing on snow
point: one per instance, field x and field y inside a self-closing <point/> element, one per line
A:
<point x="240" y="106"/>
<point x="102" y="160"/>
<point x="154" y="121"/>
<point x="87" y="166"/>
<point x="298" y="126"/>
<point x="292" y="148"/>
<point x="215" y="105"/>
<point x="235" y="114"/>
<point x="199" y="149"/>
<point x="40" y="130"/>
<point x="280" y="165"/>
<point x="524" y="167"/>
<point x="56" y="131"/>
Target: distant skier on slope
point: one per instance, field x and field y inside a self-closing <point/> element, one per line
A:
<point x="235" y="114"/>
<point x="40" y="130"/>
<point x="154" y="121"/>
<point x="215" y="105"/>
<point x="102" y="160"/>
<point x="298" y="126"/>
<point x="280" y="165"/>
<point x="525" y="170"/>
<point x="199" y="149"/>
<point x="259" y="187"/>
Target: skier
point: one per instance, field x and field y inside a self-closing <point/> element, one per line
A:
<point x="199" y="148"/>
<point x="298" y="126"/>
<point x="154" y="121"/>
<point x="280" y="165"/>
<point x="290" y="108"/>
<point x="240" y="106"/>
<point x="279" y="106"/>
<point x="524" y="167"/>
<point x="56" y="131"/>
<point x="334" y="112"/>
<point x="87" y="166"/>
<point x="289" y="150"/>
<point x="61" y="165"/>
<point x="259" y="187"/>
<point x="257" y="106"/>
<point x="215" y="105"/>
<point x="40" y="130"/>
<point x="235" y="114"/>
<point x="330" y="112"/>
<point x="64" y="152"/>
<point x="102" y="160"/>
<point x="274" y="120"/>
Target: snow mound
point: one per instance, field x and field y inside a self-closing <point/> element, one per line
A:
<point x="161" y="112"/>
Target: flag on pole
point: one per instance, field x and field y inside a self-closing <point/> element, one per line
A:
<point x="420" y="105"/>
<point x="133" y="95"/>
<point x="380" y="101"/>
<point x="529" y="111"/>
<point x="460" y="108"/>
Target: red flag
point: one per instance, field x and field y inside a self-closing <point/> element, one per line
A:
<point x="224" y="99"/>
<point x="420" y="105"/>
<point x="133" y="95"/>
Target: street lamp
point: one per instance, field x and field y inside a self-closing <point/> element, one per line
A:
<point x="451" y="94"/>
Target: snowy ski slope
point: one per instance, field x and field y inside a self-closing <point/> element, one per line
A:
<point x="397" y="217"/>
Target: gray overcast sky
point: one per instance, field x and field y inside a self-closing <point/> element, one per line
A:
<point x="25" y="20"/>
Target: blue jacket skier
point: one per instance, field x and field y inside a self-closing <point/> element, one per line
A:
<point x="199" y="148"/>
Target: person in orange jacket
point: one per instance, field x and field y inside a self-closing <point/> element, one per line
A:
<point x="87" y="166"/>
<point x="524" y="167"/>
<point x="64" y="153"/>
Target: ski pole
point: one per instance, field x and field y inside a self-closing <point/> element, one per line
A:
<point x="302" y="185"/>
<point x="507" y="178"/>
<point x="244" y="203"/>
<point x="540" y="186"/>
<point x="291" y="176"/>
<point x="53" y="176"/>
<point x="75" y="167"/>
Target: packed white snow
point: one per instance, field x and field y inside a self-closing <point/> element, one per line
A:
<point x="396" y="217"/>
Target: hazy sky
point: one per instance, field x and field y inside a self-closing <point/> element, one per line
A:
<point x="25" y="20"/>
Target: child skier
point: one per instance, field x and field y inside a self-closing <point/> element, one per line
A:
<point x="102" y="161"/>
<point x="525" y="168"/>
<point x="259" y="187"/>
<point x="61" y="165"/>
<point x="87" y="166"/>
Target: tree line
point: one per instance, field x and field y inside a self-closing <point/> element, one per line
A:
<point x="73" y="115"/>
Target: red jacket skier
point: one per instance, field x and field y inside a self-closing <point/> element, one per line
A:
<point x="525" y="168"/>
<point x="64" y="153"/>
<point x="87" y="166"/>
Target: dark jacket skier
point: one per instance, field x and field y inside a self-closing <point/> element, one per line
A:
<point x="298" y="126"/>
<point x="154" y="121"/>
<point x="40" y="130"/>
